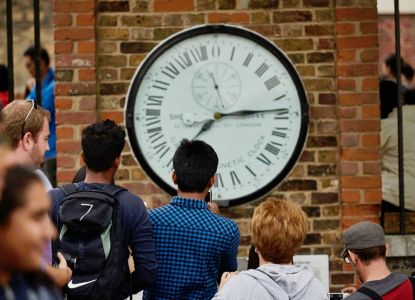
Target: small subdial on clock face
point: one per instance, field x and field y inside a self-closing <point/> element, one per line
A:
<point x="216" y="86"/>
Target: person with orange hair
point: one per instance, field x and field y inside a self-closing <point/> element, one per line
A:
<point x="278" y="231"/>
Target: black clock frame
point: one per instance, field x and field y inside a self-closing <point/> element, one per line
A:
<point x="212" y="29"/>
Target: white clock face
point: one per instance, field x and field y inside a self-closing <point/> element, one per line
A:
<point x="229" y="91"/>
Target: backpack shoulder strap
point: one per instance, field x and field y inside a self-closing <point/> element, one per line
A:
<point x="113" y="189"/>
<point x="70" y="188"/>
<point x="369" y="292"/>
<point x="67" y="189"/>
<point x="412" y="280"/>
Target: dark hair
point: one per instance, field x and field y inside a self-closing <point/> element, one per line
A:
<point x="81" y="175"/>
<point x="102" y="143"/>
<point x="16" y="180"/>
<point x="369" y="254"/>
<point x="390" y="62"/>
<point x="195" y="162"/>
<point x="409" y="96"/>
<point x="408" y="71"/>
<point x="31" y="52"/>
<point x="3" y="78"/>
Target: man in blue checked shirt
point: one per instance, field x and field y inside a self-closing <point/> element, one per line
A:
<point x="194" y="246"/>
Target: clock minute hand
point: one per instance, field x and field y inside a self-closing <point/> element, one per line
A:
<point x="244" y="113"/>
<point x="241" y="113"/>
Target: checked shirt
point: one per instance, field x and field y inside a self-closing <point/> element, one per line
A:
<point x="193" y="248"/>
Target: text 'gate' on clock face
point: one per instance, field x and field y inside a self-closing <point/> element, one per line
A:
<point x="229" y="87"/>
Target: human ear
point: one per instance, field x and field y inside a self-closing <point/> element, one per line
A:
<point x="174" y="177"/>
<point x="117" y="162"/>
<point x="211" y="181"/>
<point x="27" y="141"/>
<point x="353" y="257"/>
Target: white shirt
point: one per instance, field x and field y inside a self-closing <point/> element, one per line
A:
<point x="45" y="180"/>
<point x="389" y="150"/>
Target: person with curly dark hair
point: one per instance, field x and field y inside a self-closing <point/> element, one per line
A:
<point x="102" y="144"/>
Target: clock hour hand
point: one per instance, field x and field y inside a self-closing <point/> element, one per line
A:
<point x="206" y="126"/>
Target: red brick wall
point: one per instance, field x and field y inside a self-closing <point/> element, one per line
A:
<point x="359" y="124"/>
<point x="75" y="62"/>
<point x="333" y="45"/>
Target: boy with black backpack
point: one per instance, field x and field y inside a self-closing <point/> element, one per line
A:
<point x="99" y="223"/>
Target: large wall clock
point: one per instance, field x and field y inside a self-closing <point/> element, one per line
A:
<point x="229" y="87"/>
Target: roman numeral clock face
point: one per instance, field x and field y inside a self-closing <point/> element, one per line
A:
<point x="229" y="87"/>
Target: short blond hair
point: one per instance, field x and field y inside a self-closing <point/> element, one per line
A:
<point x="13" y="116"/>
<point x="278" y="230"/>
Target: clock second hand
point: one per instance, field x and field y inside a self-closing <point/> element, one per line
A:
<point x="216" y="88"/>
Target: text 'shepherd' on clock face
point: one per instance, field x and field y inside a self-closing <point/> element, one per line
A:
<point x="229" y="87"/>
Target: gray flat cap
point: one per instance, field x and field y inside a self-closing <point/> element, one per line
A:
<point x="362" y="236"/>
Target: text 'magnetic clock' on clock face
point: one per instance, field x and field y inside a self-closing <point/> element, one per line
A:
<point x="229" y="87"/>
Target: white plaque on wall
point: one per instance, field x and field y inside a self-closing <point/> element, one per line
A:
<point x="319" y="264"/>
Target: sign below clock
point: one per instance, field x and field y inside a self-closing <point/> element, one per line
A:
<point x="229" y="87"/>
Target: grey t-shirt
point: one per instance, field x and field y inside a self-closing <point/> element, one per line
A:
<point x="381" y="286"/>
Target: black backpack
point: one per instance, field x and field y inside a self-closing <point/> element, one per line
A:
<point x="90" y="238"/>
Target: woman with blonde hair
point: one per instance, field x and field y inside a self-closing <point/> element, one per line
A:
<point x="278" y="231"/>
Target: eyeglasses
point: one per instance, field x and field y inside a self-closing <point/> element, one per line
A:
<point x="34" y="106"/>
<point x="346" y="258"/>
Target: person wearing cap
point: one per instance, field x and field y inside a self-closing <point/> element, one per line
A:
<point x="365" y="250"/>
